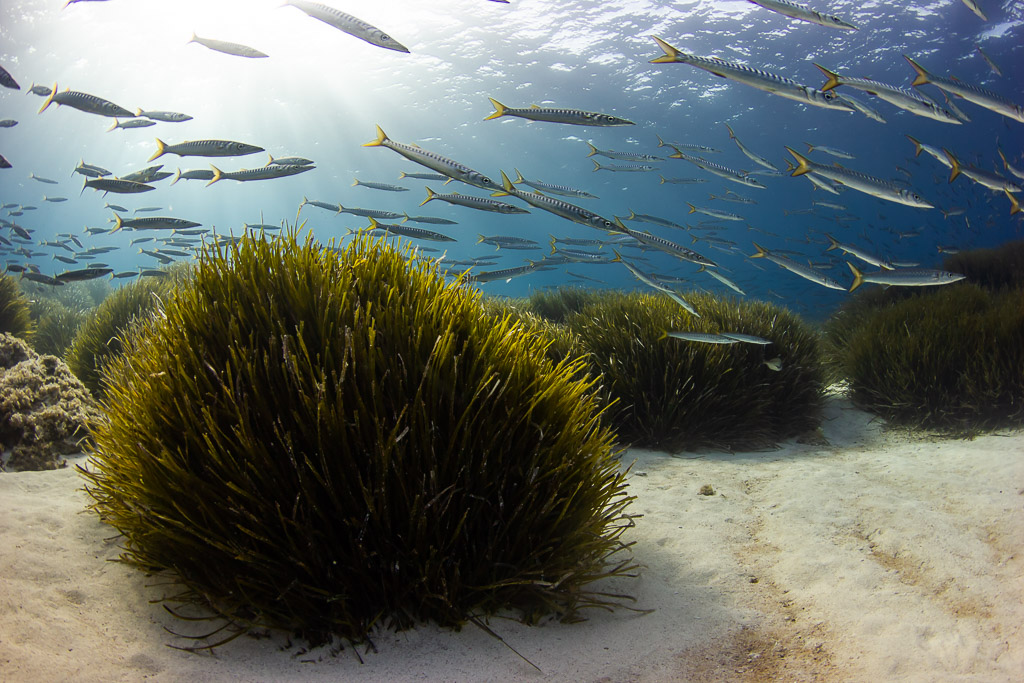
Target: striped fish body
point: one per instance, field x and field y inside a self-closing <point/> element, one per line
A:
<point x="166" y="116"/>
<point x="756" y="158"/>
<point x="862" y="182"/>
<point x="622" y="156"/>
<point x="653" y="220"/>
<point x="85" y="102"/>
<point x="90" y="171"/>
<point x="755" y="78"/>
<point x="795" y="11"/>
<point x="410" y="231"/>
<point x="118" y="186"/>
<point x="623" y="168"/>
<point x="689" y="147"/>
<point x="573" y="117"/>
<point x="580" y="256"/>
<point x="863" y="255"/>
<point x="681" y="181"/>
<point x="144" y="176"/>
<point x="379" y="186"/>
<point x="205" y="148"/>
<point x="903" y="98"/>
<point x="479" y="203"/>
<point x="154" y="223"/>
<point x="560" y="190"/>
<point x="972" y="93"/>
<point x="348" y="24"/>
<point x="314" y="202"/>
<point x="563" y="209"/>
<point x="368" y="213"/>
<point x="223" y="46"/>
<point x="430" y="220"/>
<point x="264" y="173"/>
<point x="715" y="213"/>
<point x="131" y="123"/>
<point x="668" y="247"/>
<point x="904" y="277"/>
<point x="198" y="174"/>
<point x="719" y="170"/>
<point x="503" y="274"/>
<point x="863" y="108"/>
<point x="933" y="152"/>
<point x="797" y="268"/>
<point x="423" y="176"/>
<point x="435" y="162"/>
<point x="723" y="279"/>
<point x="289" y="161"/>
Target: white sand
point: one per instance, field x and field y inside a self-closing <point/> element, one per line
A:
<point x="880" y="557"/>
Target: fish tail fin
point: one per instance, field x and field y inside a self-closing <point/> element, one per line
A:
<point x="118" y="223"/>
<point x="554" y="249"/>
<point x="662" y="181"/>
<point x="177" y="176"/>
<point x="804" y="163"/>
<point x="1014" y="204"/>
<point x="49" y="98"/>
<point x="340" y="207"/>
<point x="519" y="176"/>
<point x="761" y="251"/>
<point x="618" y="257"/>
<point x="954" y="168"/>
<point x="270" y="159"/>
<point x="161" y="148"/>
<point x="1002" y="156"/>
<point x="138" y="111"/>
<point x="732" y="135"/>
<point x="671" y="53"/>
<point x="661" y="143"/>
<point x="917" y="145"/>
<point x="381" y="138"/>
<point x="593" y="150"/>
<point x="622" y="226"/>
<point x="833" y="78"/>
<point x="858" y="277"/>
<point x="499" y="109"/>
<point x="217" y="175"/>
<point x="922" y="75"/>
<point x="355" y="181"/>
<point x="430" y="195"/>
<point x="597" y="165"/>
<point x="85" y="184"/>
<point x="835" y="244"/>
<point x="113" y="126"/>
<point x="406" y="214"/>
<point x="810" y="147"/>
<point x="693" y="240"/>
<point x="693" y="209"/>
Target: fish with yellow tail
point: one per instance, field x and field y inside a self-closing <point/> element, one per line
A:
<point x="83" y="101"/>
<point x="992" y="181"/>
<point x="904" y="277"/>
<point x="904" y="98"/>
<point x="204" y="148"/>
<point x="435" y="162"/>
<point x="970" y="92"/>
<point x="797" y="268"/>
<point x="575" y="117"/>
<point x="795" y="11"/>
<point x="755" y="78"/>
<point x="862" y="182"/>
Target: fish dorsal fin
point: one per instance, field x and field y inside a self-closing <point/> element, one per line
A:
<point x="534" y="106"/>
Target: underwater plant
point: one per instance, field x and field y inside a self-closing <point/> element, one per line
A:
<point x="998" y="268"/>
<point x="56" y="326"/>
<point x="675" y="394"/>
<point x="45" y="412"/>
<point x="558" y="303"/>
<point x="950" y="360"/>
<point x="14" y="309"/>
<point x="330" y="442"/>
<point x="100" y="335"/>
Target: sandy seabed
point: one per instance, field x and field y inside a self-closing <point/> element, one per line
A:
<point x="879" y="556"/>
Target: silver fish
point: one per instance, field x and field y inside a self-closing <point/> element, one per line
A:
<point x="348" y="24"/>
<point x="85" y="102"/>
<point x="876" y="187"/>
<point x="379" y="186"/>
<point x="563" y="209"/>
<point x="236" y="49"/>
<point x="702" y="337"/>
<point x="909" y="277"/>
<point x="972" y="93"/>
<point x="719" y="170"/>
<point x="756" y="78"/>
<point x="479" y="203"/>
<point x="204" y="148"/>
<point x="574" y="117"/>
<point x="806" y="272"/>
<point x="561" y="190"/>
<point x="436" y="162"/>
<point x="168" y="116"/>
<point x="898" y="97"/>
<point x="795" y="11"/>
<point x="756" y="158"/>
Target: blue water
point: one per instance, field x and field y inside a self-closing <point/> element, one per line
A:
<point x="321" y="92"/>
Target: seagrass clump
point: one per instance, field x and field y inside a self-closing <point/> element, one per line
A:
<point x="331" y="442"/>
<point x="676" y="395"/>
<point x="998" y="268"/>
<point x="560" y="302"/>
<point x="949" y="360"/>
<point x="100" y="335"/>
<point x="56" y="326"/>
<point x="14" y="309"/>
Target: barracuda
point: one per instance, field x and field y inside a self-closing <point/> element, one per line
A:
<point x="563" y="209"/>
<point x="972" y="93"/>
<point x="719" y="170"/>
<point x="264" y="173"/>
<point x="667" y="246"/>
<point x="573" y="117"/>
<point x="934" y="152"/>
<point x="435" y="162"/>
<point x="898" y="97"/>
<point x="204" y="148"/>
<point x="755" y="78"/>
<point x="795" y="11"/>
<point x="651" y="282"/>
<point x="862" y="182"/>
<point x="408" y="231"/>
<point x="561" y="190"/>
<point x="992" y="181"/>
<point x="907" y="277"/>
<point x="85" y="102"/>
<point x="715" y="213"/>
<point x="756" y="158"/>
<point x="479" y="203"/>
<point x="153" y="223"/>
<point x="797" y="268"/>
<point x="862" y="254"/>
<point x="348" y="24"/>
<point x="723" y="279"/>
<point x="621" y="156"/>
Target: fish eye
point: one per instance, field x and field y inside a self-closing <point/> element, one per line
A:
<point x="830" y="95"/>
<point x="485" y="179"/>
<point x="385" y="36"/>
